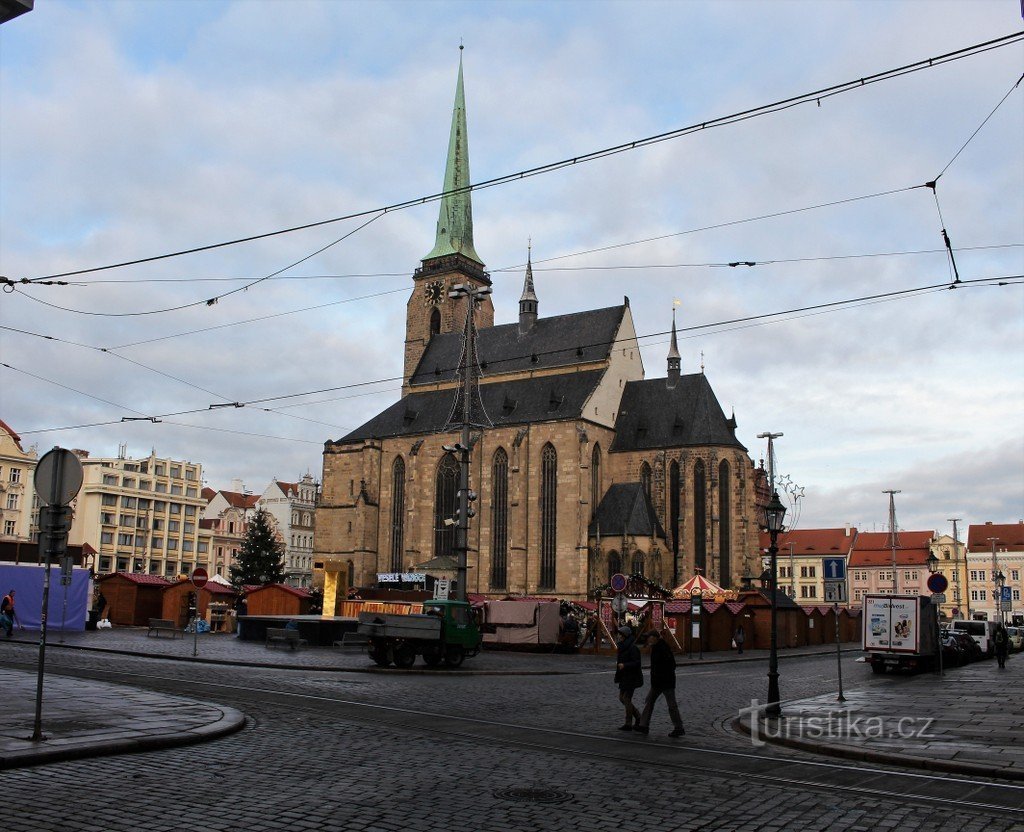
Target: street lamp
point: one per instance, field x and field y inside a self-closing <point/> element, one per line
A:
<point x="1000" y="580"/>
<point x="774" y="514"/>
<point x="933" y="567"/>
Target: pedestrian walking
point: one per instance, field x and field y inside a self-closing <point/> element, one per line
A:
<point x="1001" y="640"/>
<point x="7" y="613"/>
<point x="663" y="683"/>
<point x="739" y="638"/>
<point x="629" y="675"/>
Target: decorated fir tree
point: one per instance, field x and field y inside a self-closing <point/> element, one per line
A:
<point x="261" y="559"/>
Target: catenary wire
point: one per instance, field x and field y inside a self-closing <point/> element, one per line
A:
<point x="743" y="115"/>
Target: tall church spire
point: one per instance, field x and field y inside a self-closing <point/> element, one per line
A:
<point x="455" y="220"/>
<point x="673" y="357"/>
<point x="528" y="301"/>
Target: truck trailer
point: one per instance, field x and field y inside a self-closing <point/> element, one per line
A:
<point x="900" y="632"/>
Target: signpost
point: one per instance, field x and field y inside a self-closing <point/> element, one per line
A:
<point x="58" y="479"/>
<point x="834" y="571"/>
<point x="696" y="607"/>
<point x="199" y="578"/>
<point x="618" y="582"/>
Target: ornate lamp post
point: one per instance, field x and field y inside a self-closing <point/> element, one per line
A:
<point x="933" y="567"/>
<point x="1000" y="581"/>
<point x="774" y="514"/>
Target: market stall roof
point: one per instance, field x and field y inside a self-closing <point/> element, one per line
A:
<point x="698" y="583"/>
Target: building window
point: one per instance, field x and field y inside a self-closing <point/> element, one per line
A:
<point x="109" y="479"/>
<point x="108" y="499"/>
<point x="435" y="321"/>
<point x="674" y="500"/>
<point x="161" y="487"/>
<point x="595" y="480"/>
<point x="128" y="482"/>
<point x="173" y="526"/>
<point x="446" y="490"/>
<point x="176" y="489"/>
<point x="12" y="501"/>
<point x="15" y="475"/>
<point x="397" y="514"/>
<point x="186" y="545"/>
<point x="614" y="564"/>
<point x="176" y="471"/>
<point x="724" y="525"/>
<point x="638" y="563"/>
<point x="1016" y="595"/>
<point x="125" y="539"/>
<point x="548" y="516"/>
<point x="499" y="518"/>
<point x="157" y="543"/>
<point x="9" y="528"/>
<point x="104" y="564"/>
<point x="1014" y="574"/>
<point x="175" y="508"/>
<point x="645" y="479"/>
<point x="700" y="522"/>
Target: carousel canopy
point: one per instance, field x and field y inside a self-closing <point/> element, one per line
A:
<point x="698" y="583"/>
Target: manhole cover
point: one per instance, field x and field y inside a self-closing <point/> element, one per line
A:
<point x="530" y="795"/>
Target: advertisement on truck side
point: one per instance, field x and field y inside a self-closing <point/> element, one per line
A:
<point x="892" y="623"/>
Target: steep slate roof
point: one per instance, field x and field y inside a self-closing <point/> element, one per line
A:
<point x="652" y="415"/>
<point x="559" y="341"/>
<point x="875" y="549"/>
<point x="1011" y="536"/>
<point x="507" y="403"/>
<point x="626" y="509"/>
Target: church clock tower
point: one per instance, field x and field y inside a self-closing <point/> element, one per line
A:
<point x="453" y="259"/>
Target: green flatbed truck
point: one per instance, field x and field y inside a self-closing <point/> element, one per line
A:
<point x="446" y="631"/>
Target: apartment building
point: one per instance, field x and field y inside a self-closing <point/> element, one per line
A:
<point x="800" y="557"/>
<point x="993" y="550"/>
<point x="225" y="517"/>
<point x="293" y="507"/>
<point x="952" y="557"/>
<point x="19" y="509"/>
<point x="870" y="565"/>
<point x="141" y="515"/>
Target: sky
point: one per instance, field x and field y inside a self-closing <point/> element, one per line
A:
<point x="135" y="129"/>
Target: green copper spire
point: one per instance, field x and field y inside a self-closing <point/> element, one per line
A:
<point x="455" y="221"/>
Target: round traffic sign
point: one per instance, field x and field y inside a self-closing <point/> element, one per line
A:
<point x="618" y="582"/>
<point x="620" y="604"/>
<point x="199" y="577"/>
<point x="937" y="582"/>
<point x="58" y="477"/>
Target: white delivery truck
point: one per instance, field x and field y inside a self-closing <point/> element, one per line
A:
<point x="900" y="632"/>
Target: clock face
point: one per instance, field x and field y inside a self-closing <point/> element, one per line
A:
<point x="433" y="293"/>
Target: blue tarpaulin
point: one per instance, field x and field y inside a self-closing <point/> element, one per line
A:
<point x="28" y="606"/>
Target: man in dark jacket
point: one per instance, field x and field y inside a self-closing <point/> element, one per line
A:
<point x="629" y="675"/>
<point x="663" y="683"/>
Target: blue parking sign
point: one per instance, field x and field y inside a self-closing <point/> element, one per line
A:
<point x="834" y="569"/>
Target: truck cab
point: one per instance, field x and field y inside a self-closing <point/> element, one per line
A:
<point x="446" y="631"/>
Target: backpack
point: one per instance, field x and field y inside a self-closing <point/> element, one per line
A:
<point x="6" y="605"/>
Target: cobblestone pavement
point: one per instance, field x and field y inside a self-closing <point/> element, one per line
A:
<point x="388" y="751"/>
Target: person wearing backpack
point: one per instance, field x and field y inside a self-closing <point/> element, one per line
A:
<point x="7" y="613"/>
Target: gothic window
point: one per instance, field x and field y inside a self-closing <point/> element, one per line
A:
<point x="645" y="478"/>
<point x="397" y="514"/>
<point x="595" y="480"/>
<point x="638" y="563"/>
<point x="700" y="519"/>
<point x="673" y="505"/>
<point x="614" y="564"/>
<point x="445" y="506"/>
<point x="548" y="515"/>
<point x="724" y="525"/>
<point x="499" y="520"/>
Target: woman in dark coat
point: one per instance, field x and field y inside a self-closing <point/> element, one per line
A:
<point x="628" y="676"/>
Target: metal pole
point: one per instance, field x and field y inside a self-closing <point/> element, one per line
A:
<point x="64" y="610"/>
<point x="995" y="571"/>
<point x="956" y="570"/>
<point x="893" y="542"/>
<point x="792" y="576"/>
<point x="774" y="709"/>
<point x="938" y="637"/>
<point x="53" y="516"/>
<point x="839" y="653"/>
<point x="195" y="627"/>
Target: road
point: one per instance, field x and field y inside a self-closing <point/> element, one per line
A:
<point x="390" y="751"/>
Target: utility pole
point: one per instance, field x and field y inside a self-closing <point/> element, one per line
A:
<point x="995" y="571"/>
<point x="893" y="539"/>
<point x="771" y="457"/>
<point x="956" y="570"/>
<point x="467" y="399"/>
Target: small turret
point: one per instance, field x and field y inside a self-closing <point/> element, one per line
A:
<point x="528" y="301"/>
<point x="673" y="357"/>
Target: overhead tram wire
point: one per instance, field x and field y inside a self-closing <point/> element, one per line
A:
<point x="1002" y="280"/>
<point x="720" y="121"/>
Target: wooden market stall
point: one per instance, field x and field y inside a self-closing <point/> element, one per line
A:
<point x="215" y="600"/>
<point x="278" y="599"/>
<point x="132" y="599"/>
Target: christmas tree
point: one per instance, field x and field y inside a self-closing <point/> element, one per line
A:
<point x="261" y="559"/>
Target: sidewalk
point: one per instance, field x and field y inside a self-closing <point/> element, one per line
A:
<point x="970" y="721"/>
<point x="79" y="721"/>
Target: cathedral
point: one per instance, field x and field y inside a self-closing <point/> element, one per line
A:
<point x="583" y="467"/>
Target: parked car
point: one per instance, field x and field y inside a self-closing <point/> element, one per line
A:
<point x="981" y="632"/>
<point x="1016" y="638"/>
<point x="953" y="653"/>
<point x="969" y="647"/>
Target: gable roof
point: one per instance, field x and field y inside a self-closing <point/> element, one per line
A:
<point x="559" y="341"/>
<point x="238" y="500"/>
<point x="136" y="578"/>
<point x="548" y="398"/>
<point x="813" y="542"/>
<point x="626" y="509"/>
<point x="287" y="486"/>
<point x="291" y="590"/>
<point x="7" y="429"/>
<point x="875" y="549"/>
<point x="653" y="415"/>
<point x="1011" y="536"/>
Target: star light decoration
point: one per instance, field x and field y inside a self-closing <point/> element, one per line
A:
<point x="794" y="494"/>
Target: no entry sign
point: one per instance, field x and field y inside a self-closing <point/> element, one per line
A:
<point x="199" y="577"/>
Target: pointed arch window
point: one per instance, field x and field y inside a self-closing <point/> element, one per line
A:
<point x="548" y="516"/>
<point x="645" y="478"/>
<point x="445" y="505"/>
<point x="595" y="480"/>
<point x="614" y="564"/>
<point x="724" y="524"/>
<point x="700" y="518"/>
<point x="674" y="498"/>
<point x="397" y="514"/>
<point x="499" y="520"/>
<point x="435" y="321"/>
<point x="638" y="563"/>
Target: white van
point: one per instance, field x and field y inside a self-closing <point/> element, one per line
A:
<point x="980" y="631"/>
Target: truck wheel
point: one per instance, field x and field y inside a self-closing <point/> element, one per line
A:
<point x="432" y="655"/>
<point x="878" y="668"/>
<point x="404" y="655"/>
<point x="379" y="654"/>
<point x="454" y="655"/>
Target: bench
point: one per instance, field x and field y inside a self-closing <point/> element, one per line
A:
<point x="352" y="640"/>
<point x="162" y="625"/>
<point x="282" y="635"/>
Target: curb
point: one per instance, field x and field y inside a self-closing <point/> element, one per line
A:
<point x="231" y="720"/>
<point x="867" y="756"/>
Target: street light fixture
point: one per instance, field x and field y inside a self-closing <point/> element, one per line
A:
<point x="1000" y="581"/>
<point x="774" y="514"/>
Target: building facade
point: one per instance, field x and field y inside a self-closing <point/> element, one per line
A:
<point x="565" y="421"/>
<point x="800" y="559"/>
<point x="293" y="507"/>
<point x="952" y="557"/>
<point x="141" y="515"/>
<point x="995" y="549"/>
<point x="226" y="517"/>
<point x="19" y="508"/>
<point x="870" y="565"/>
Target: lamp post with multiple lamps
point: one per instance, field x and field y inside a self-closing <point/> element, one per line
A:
<point x="774" y="514"/>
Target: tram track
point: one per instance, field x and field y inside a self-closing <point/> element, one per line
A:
<point x="765" y="768"/>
